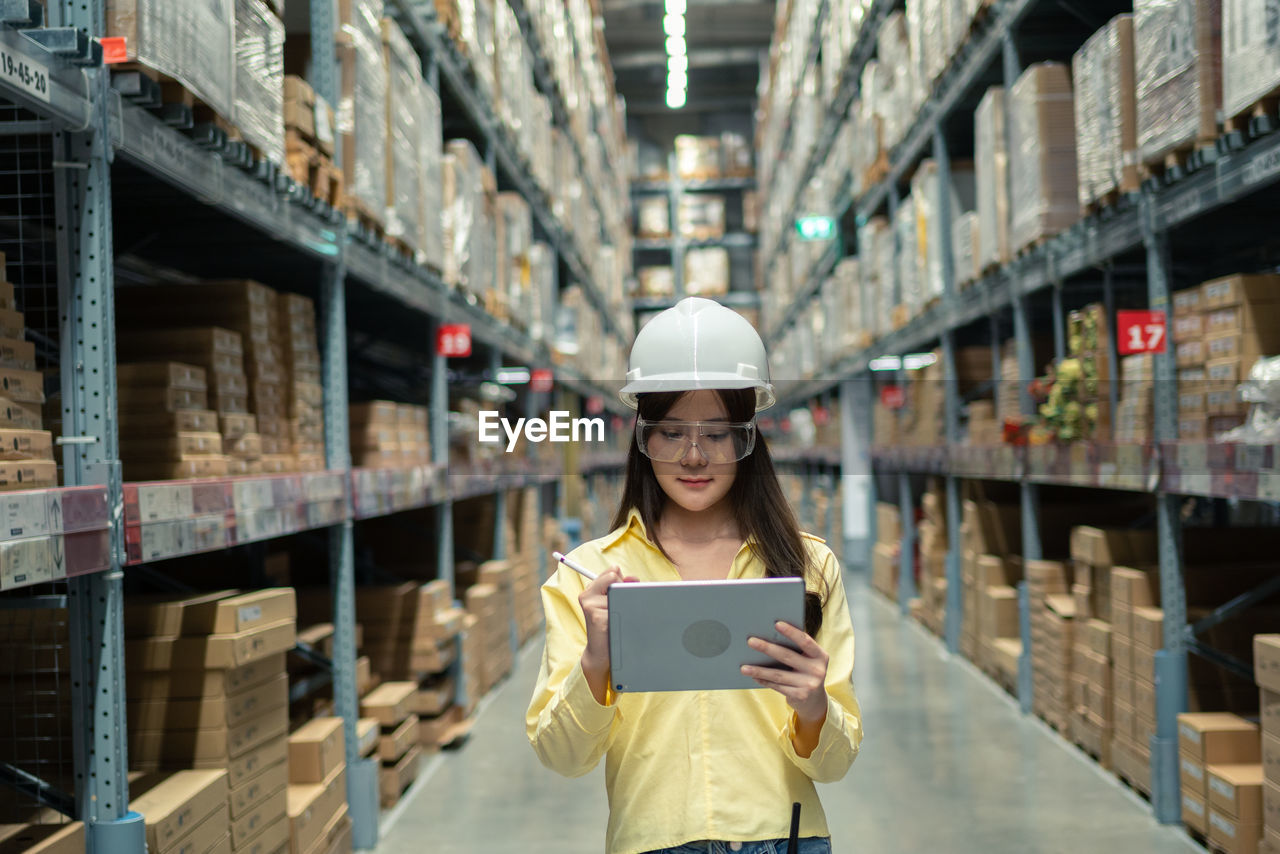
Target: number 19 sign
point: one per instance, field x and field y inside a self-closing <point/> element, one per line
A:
<point x="1141" y="332"/>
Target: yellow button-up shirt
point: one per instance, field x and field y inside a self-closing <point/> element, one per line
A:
<point x="689" y="765"/>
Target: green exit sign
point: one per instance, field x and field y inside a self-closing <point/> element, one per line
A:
<point x="816" y="227"/>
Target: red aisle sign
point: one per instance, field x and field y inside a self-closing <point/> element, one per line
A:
<point x="893" y="397"/>
<point x="1141" y="332"/>
<point x="595" y="404"/>
<point x="540" y="380"/>
<point x="453" y="340"/>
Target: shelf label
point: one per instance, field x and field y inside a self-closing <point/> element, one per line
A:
<point x="453" y="340"/>
<point x="1141" y="332"/>
<point x="25" y="74"/>
<point x="893" y="397"/>
<point x="115" y="49"/>
<point x="540" y="380"/>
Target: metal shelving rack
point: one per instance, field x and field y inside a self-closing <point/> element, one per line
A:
<point x="1134" y="237"/>
<point x="676" y="245"/>
<point x="59" y="88"/>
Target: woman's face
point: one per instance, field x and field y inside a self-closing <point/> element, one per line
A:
<point x="693" y="483"/>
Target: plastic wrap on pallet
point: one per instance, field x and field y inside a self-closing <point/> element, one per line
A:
<point x="1042" y="163"/>
<point x="362" y="110"/>
<point x="697" y="156"/>
<point x="191" y="41"/>
<point x="431" y="196"/>
<point x="925" y="193"/>
<point x="463" y="200"/>
<point x="959" y="19"/>
<point x="470" y="24"/>
<point x="403" y="134"/>
<point x="991" y="167"/>
<point x="1262" y="392"/>
<point x="656" y="282"/>
<point x="735" y="155"/>
<point x="700" y="216"/>
<point x="875" y="240"/>
<point x="259" y="78"/>
<point x="1178" y="56"/>
<point x="706" y="272"/>
<point x="514" y="221"/>
<point x="896" y="97"/>
<point x="910" y="285"/>
<point x="542" y="291"/>
<point x="848" y="279"/>
<point x="965" y="247"/>
<point x="1250" y="54"/>
<point x="1106" y="112"/>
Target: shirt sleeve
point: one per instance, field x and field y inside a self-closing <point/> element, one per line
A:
<point x="841" y="734"/>
<point x="568" y="729"/>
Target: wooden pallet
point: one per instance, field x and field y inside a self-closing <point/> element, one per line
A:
<point x="308" y="166"/>
<point x="1174" y="164"/>
<point x="361" y="215"/>
<point x="1248" y="122"/>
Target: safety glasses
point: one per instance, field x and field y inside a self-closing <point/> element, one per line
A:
<point x="717" y="441"/>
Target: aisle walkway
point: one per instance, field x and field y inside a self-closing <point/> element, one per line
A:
<point x="948" y="765"/>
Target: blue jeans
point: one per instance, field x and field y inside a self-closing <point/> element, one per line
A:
<point x="808" y="845"/>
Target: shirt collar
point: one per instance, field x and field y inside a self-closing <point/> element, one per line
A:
<point x="634" y="521"/>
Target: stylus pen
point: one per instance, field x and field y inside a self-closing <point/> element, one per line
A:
<point x="581" y="570"/>
<point x="793" y="843"/>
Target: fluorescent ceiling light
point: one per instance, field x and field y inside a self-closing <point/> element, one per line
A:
<point x="916" y="361"/>
<point x="512" y="376"/>
<point x="675" y="98"/>
<point x="675" y="46"/>
<point x="886" y="363"/>
<point x="675" y="7"/>
<point x="678" y="63"/>
<point x="678" y="80"/>
<point x="673" y="25"/>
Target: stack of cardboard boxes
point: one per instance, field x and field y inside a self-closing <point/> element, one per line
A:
<point x="1241" y="325"/>
<point x="186" y="444"/>
<point x="410" y="629"/>
<point x="1042" y="166"/>
<point x="26" y="450"/>
<point x="309" y="134"/>
<point x="391" y="705"/>
<point x="1134" y="596"/>
<point x="220" y="354"/>
<point x="1266" y="673"/>
<point x="1217" y="752"/>
<point x="884" y="557"/>
<point x="208" y="689"/>
<point x="990" y="571"/>
<point x="490" y="601"/>
<point x="1187" y="334"/>
<point x="1052" y="610"/>
<point x="303" y="382"/>
<point x="319" y="821"/>
<point x="34" y="838"/>
<point x="185" y="812"/>
<point x="933" y="560"/>
<point x="1135" y="411"/>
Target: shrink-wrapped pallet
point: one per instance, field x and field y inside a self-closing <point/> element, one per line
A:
<point x="362" y="106"/>
<point x="656" y="282"/>
<point x="259" y="78"/>
<point x="991" y="167"/>
<point x="404" y="142"/>
<point x="875" y="242"/>
<point x="514" y="221"/>
<point x="1250" y="54"/>
<point x="697" y="156"/>
<point x="853" y="326"/>
<point x="706" y="272"/>
<point x="542" y="291"/>
<point x="964" y="248"/>
<point x="910" y="296"/>
<point x="897" y="97"/>
<point x="1178" y="57"/>
<point x="1106" y="112"/>
<point x="465" y="203"/>
<point x="470" y="25"/>
<point x="431" y="197"/>
<point x="925" y="191"/>
<point x="700" y="216"/>
<point x="513" y="76"/>
<point x="191" y="41"/>
<point x="1042" y="163"/>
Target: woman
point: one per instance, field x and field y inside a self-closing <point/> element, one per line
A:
<point x="712" y="770"/>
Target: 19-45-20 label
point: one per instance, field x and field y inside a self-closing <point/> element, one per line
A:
<point x="31" y="77"/>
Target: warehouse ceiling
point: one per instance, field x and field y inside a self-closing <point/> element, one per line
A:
<point x="727" y="40"/>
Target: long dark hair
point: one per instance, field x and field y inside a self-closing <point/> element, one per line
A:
<point x="764" y="516"/>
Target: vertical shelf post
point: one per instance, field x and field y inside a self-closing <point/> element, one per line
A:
<point x="1059" y="324"/>
<point x="1170" y="662"/>
<point x="856" y="478"/>
<point x="675" y="189"/>
<point x="1113" y="355"/>
<point x="955" y="582"/>
<point x="95" y="603"/>
<point x="1030" y="493"/>
<point x="500" y="495"/>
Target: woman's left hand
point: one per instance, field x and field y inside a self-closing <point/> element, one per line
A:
<point x="804" y="685"/>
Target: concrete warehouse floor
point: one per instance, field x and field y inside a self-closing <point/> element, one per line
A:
<point x="948" y="764"/>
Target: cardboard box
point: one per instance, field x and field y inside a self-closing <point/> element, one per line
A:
<point x="389" y="703"/>
<point x="42" y="838"/>
<point x="1270" y="805"/>
<point x="174" y="804"/>
<point x="396" y="743"/>
<point x="151" y="398"/>
<point x="1195" y="812"/>
<point x="1266" y="661"/>
<point x="28" y="474"/>
<point x="16" y="353"/>
<point x="213" y="651"/>
<point x="1192" y="776"/>
<point x="193" y="684"/>
<point x="1271" y="758"/>
<point x="272" y="839"/>
<point x="136" y="424"/>
<point x="258" y="819"/>
<point x="256" y="762"/>
<point x="21" y="386"/>
<point x="202" y="747"/>
<point x="26" y="445"/>
<point x="1148" y="627"/>
<point x="393" y="780"/>
<point x="253" y="792"/>
<point x="1269" y="712"/>
<point x="312" y="806"/>
<point x="434" y="698"/>
<point x="209" y="712"/>
<point x="369" y="736"/>
<point x="210" y="465"/>
<point x="208" y="837"/>
<point x="1236" y="791"/>
<point x="1187" y="301"/>
<point x="1232" y="836"/>
<point x="1218" y="738"/>
<point x="19" y="415"/>
<point x="175" y="375"/>
<point x="1144" y="662"/>
<point x="316" y="750"/>
<point x="335" y="838"/>
<point x="1239" y="288"/>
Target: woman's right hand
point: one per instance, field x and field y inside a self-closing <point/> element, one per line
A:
<point x="594" y="600"/>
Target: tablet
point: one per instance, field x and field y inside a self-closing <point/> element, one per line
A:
<point x="692" y="635"/>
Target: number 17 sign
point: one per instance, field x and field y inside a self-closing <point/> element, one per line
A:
<point x="1141" y="332"/>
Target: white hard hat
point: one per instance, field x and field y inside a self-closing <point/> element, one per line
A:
<point x="697" y="344"/>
